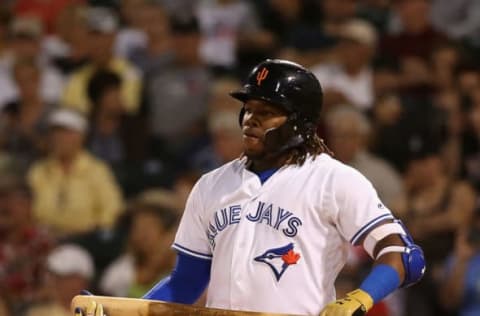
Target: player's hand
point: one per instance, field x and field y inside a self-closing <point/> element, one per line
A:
<point x="94" y="309"/>
<point x="356" y="303"/>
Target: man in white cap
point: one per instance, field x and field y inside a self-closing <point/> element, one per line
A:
<point x="70" y="270"/>
<point x="74" y="192"/>
<point x="349" y="78"/>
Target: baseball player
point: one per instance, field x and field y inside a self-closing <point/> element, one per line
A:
<point x="269" y="231"/>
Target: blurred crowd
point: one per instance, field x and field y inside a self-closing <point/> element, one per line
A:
<point x="110" y="110"/>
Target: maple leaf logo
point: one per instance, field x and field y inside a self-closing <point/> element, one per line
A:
<point x="291" y="257"/>
<point x="279" y="259"/>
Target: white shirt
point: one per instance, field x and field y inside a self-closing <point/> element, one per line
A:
<point x="277" y="247"/>
<point x="357" y="89"/>
<point x="220" y="25"/>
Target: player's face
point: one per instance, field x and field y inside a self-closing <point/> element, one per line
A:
<point x="259" y="117"/>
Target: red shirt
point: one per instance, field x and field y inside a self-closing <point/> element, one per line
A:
<point x="46" y="10"/>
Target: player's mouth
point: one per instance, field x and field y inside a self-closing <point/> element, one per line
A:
<point x="251" y="132"/>
<point x="248" y="134"/>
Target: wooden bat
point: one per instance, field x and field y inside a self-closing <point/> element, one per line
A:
<point x="119" y="306"/>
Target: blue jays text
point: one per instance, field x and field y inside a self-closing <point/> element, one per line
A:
<point x="276" y="217"/>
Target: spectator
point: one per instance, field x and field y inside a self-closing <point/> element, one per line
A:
<point x="460" y="19"/>
<point x="156" y="53"/>
<point x="65" y="49"/>
<point x="349" y="78"/>
<point x="26" y="36"/>
<point x="223" y="129"/>
<point x="438" y="206"/>
<point x="73" y="191"/>
<point x="24" y="246"/>
<point x="131" y="36"/>
<point x="292" y="27"/>
<point x="45" y="11"/>
<point x="228" y="26"/>
<point x="70" y="270"/>
<point x="114" y="136"/>
<point x="348" y="132"/>
<point x="459" y="289"/>
<point x="335" y="13"/>
<point x="148" y="257"/>
<point x="177" y="96"/>
<point x="102" y="24"/>
<point x="405" y="54"/>
<point x="26" y="117"/>
<point x="226" y="141"/>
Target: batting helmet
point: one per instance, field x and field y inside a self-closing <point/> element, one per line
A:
<point x="292" y="87"/>
<point x="285" y="84"/>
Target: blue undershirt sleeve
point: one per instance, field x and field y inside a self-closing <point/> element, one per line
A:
<point x="382" y="280"/>
<point x="185" y="284"/>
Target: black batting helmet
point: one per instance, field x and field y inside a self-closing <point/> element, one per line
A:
<point x="285" y="84"/>
<point x="292" y="87"/>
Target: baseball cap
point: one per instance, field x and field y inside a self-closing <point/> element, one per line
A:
<point x="102" y="20"/>
<point x="70" y="259"/>
<point x="68" y="118"/>
<point x="359" y="31"/>
<point x="25" y="26"/>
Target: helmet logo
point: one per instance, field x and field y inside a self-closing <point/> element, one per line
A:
<point x="261" y="75"/>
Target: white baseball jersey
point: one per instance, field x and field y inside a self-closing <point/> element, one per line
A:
<point x="278" y="246"/>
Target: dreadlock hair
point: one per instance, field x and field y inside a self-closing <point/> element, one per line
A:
<point x="313" y="145"/>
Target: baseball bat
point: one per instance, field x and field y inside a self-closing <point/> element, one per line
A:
<point x="120" y="306"/>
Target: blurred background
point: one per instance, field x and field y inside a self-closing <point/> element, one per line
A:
<point x="110" y="110"/>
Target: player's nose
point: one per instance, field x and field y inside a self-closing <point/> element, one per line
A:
<point x="250" y="120"/>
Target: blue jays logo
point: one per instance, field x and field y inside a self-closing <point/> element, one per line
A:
<point x="279" y="259"/>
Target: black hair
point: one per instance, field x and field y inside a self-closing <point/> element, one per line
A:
<point x="313" y="146"/>
<point x="101" y="81"/>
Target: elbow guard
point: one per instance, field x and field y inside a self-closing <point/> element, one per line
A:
<point x="412" y="257"/>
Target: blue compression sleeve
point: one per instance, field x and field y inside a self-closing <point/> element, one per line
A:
<point x="382" y="280"/>
<point x="185" y="284"/>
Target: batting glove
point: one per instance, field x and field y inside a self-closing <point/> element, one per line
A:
<point x="94" y="309"/>
<point x="356" y="303"/>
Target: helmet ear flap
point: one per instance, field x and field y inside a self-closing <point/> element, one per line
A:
<point x="240" y="116"/>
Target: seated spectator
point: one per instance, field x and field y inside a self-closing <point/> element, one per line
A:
<point x="460" y="19"/>
<point x="131" y="36"/>
<point x="437" y="207"/>
<point x="70" y="270"/>
<point x="404" y="63"/>
<point x="26" y="118"/>
<point x="349" y="78"/>
<point x="177" y="96"/>
<point x="24" y="246"/>
<point x="225" y="144"/>
<point x="227" y="27"/>
<point x="114" y="136"/>
<point x="156" y="53"/>
<point x="73" y="191"/>
<point x="45" y="11"/>
<point x="148" y="257"/>
<point x="348" y="132"/>
<point x="26" y="36"/>
<point x="102" y="24"/>
<point x="459" y="288"/>
<point x="65" y="49"/>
